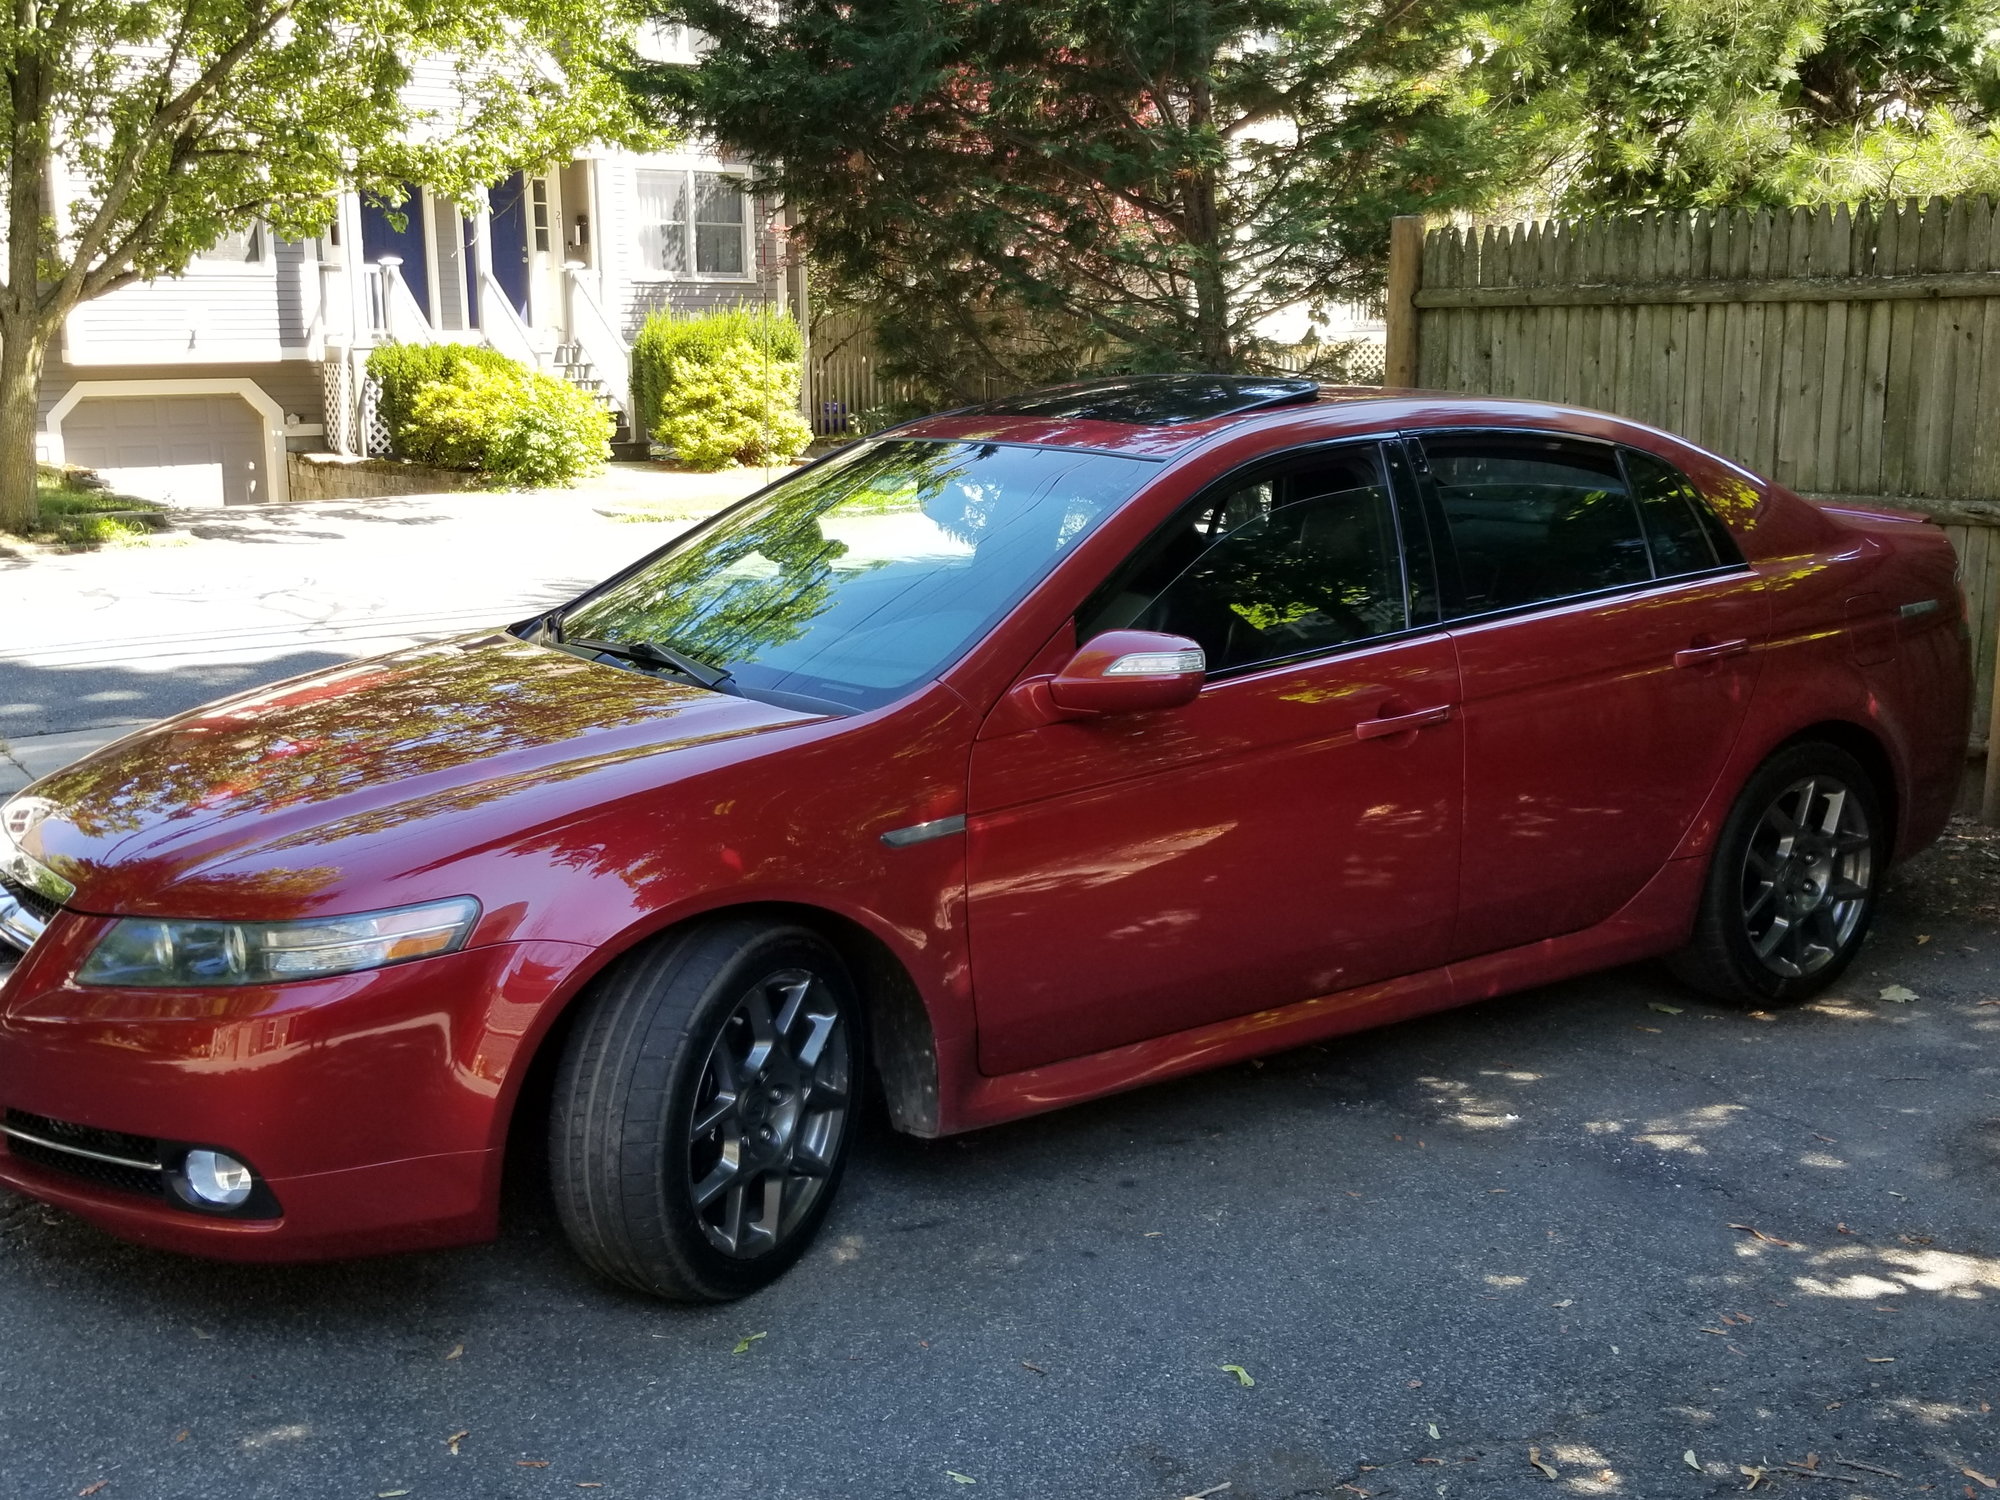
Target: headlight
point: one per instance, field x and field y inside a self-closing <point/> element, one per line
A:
<point x="150" y="953"/>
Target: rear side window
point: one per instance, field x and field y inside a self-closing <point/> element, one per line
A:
<point x="1302" y="560"/>
<point x="1679" y="528"/>
<point x="1532" y="519"/>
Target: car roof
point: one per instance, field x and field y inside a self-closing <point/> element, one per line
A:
<point x="1159" y="416"/>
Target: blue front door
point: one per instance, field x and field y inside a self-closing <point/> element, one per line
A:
<point x="380" y="237"/>
<point x="510" y="229"/>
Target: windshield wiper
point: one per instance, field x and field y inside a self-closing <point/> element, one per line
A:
<point x="654" y="654"/>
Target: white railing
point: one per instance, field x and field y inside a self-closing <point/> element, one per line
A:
<point x="393" y="312"/>
<point x="502" y="325"/>
<point x="592" y="332"/>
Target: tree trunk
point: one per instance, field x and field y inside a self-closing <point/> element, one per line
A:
<point x="21" y="352"/>
<point x="1205" y="237"/>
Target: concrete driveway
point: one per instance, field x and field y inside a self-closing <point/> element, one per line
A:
<point x="1598" y="1239"/>
<point x="93" y="641"/>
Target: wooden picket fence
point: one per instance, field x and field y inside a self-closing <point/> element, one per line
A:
<point x="1850" y="353"/>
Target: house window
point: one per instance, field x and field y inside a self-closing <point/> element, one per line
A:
<point x="240" y="247"/>
<point x="694" y="224"/>
<point x="539" y="203"/>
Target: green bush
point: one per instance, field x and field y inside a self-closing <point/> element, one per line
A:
<point x="675" y="350"/>
<point x="402" y="370"/>
<point x="461" y="406"/>
<point x="557" y="434"/>
<point x="737" y="407"/>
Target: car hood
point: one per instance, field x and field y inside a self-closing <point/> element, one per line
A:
<point x="284" y="800"/>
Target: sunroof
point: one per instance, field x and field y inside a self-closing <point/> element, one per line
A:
<point x="1155" y="400"/>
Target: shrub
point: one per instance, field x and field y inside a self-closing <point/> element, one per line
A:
<point x="737" y="406"/>
<point x="402" y="370"/>
<point x="674" y="350"/>
<point x="557" y="434"/>
<point x="464" y="407"/>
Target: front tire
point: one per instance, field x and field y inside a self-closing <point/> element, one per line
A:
<point x="1791" y="885"/>
<point x="703" y="1108"/>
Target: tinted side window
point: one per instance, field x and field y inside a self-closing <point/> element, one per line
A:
<point x="1682" y="537"/>
<point x="1532" y="519"/>
<point x="1299" y="562"/>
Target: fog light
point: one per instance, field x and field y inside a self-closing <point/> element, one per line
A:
<point x="217" y="1178"/>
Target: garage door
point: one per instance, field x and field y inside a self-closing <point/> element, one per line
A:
<point x="178" y="450"/>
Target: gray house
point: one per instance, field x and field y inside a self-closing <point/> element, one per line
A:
<point x="194" y="389"/>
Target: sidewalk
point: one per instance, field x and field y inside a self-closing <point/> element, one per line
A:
<point x="94" y="643"/>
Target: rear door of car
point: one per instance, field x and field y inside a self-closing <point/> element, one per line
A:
<point x="1608" y="639"/>
<point x="1291" y="833"/>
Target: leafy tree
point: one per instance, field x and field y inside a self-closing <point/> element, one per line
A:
<point x="138" y="132"/>
<point x="1027" y="186"/>
<point x="1778" y="101"/>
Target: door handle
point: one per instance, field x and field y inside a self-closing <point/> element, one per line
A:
<point x="1375" y="729"/>
<point x="1694" y="656"/>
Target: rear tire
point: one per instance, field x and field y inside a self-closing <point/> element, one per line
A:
<point x="1791" y="884"/>
<point x="703" y="1109"/>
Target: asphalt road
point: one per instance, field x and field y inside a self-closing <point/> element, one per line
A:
<point x="1652" y="1243"/>
<point x="235" y="598"/>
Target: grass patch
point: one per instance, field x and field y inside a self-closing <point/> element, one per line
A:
<point x="72" y="515"/>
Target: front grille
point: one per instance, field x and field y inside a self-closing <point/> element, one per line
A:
<point x="34" y="903"/>
<point x="60" y="1147"/>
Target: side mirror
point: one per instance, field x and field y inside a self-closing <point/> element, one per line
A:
<point x="1127" y="672"/>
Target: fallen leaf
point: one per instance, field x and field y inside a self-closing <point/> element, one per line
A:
<point x="1922" y="938"/>
<point x="379" y="1494"/>
<point x="456" y="1351"/>
<point x="1769" y="1239"/>
<point x="1242" y="1375"/>
<point x="1535" y="1458"/>
<point x="1811" y="1462"/>
<point x="1433" y="1429"/>
<point x="958" y="1478"/>
<point x="1663" y="1008"/>
<point x="1991" y="1484"/>
<point x="743" y="1344"/>
<point x="1722" y="1331"/>
<point x="1842" y="1229"/>
<point x="1654" y="1029"/>
<point x="1881" y="1359"/>
<point x="1691" y="1461"/>
<point x="1566" y="1302"/>
<point x="1415" y="1383"/>
<point x="1755" y="1475"/>
<point x="92" y="1489"/>
<point x="1900" y="994"/>
<point x="181" y="1436"/>
<point x="531" y="1463"/>
<point x="455" y="1439"/>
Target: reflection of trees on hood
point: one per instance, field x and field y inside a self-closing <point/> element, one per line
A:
<point x="369" y="725"/>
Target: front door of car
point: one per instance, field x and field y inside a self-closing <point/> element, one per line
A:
<point x="1276" y="839"/>
<point x="1607" y="633"/>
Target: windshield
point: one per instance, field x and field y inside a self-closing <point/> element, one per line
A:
<point x="868" y="574"/>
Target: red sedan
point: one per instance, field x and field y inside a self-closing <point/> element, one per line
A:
<point x="1007" y="759"/>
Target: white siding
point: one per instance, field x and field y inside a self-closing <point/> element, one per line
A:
<point x="212" y="315"/>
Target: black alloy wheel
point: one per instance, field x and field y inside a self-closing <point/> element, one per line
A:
<point x="704" y="1106"/>
<point x="1792" y="882"/>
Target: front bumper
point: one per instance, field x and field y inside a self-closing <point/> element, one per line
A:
<point x="373" y="1106"/>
